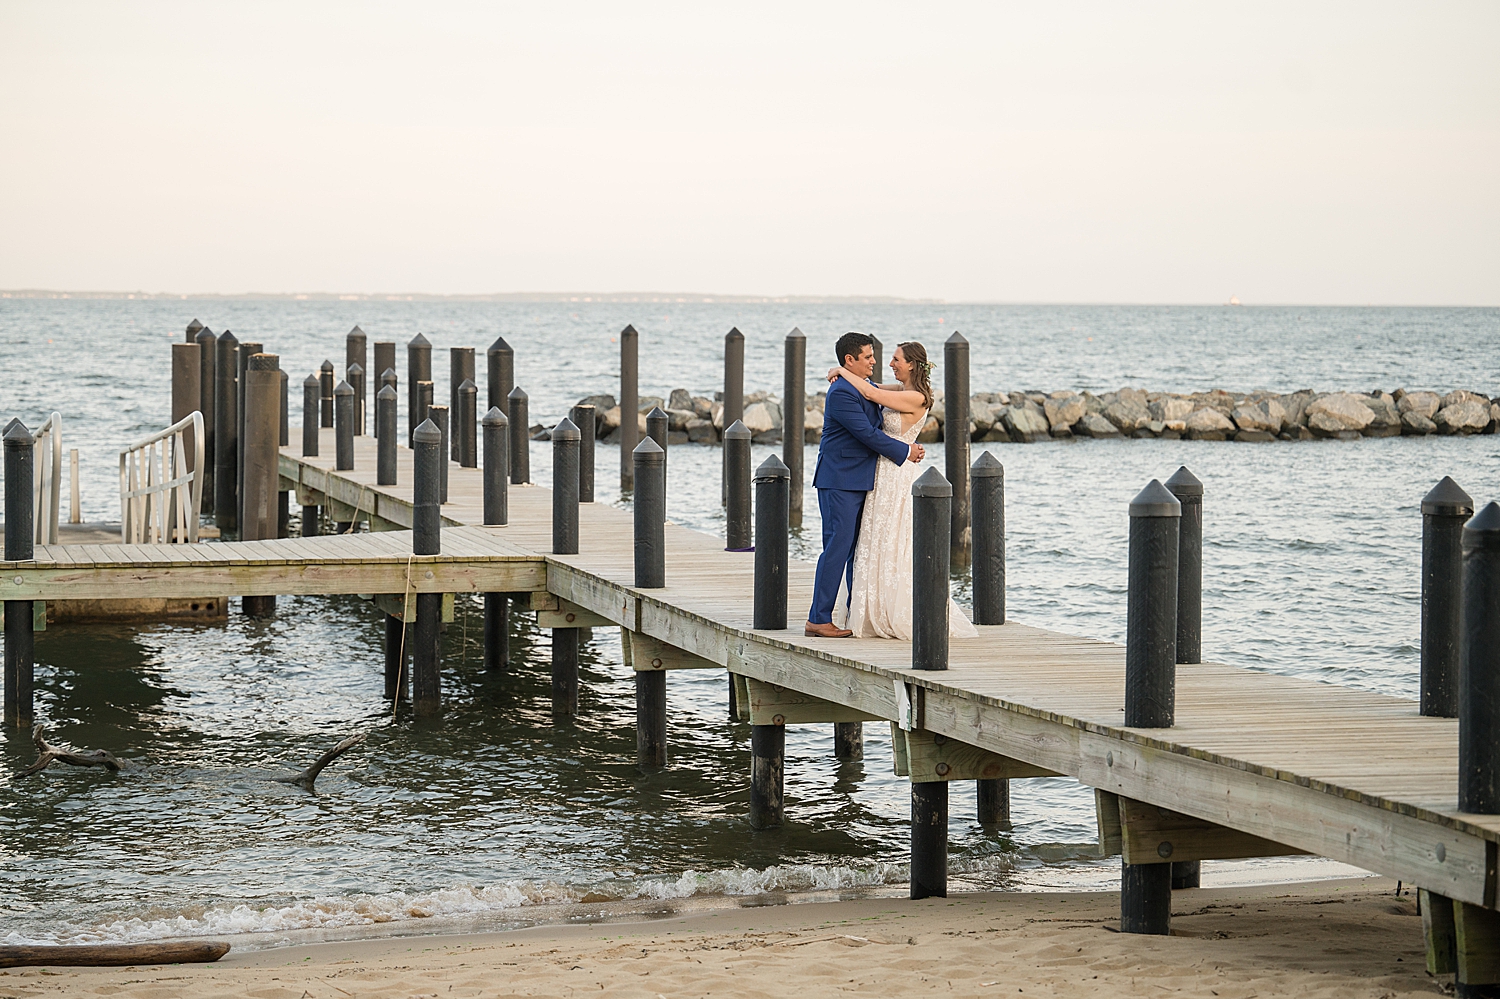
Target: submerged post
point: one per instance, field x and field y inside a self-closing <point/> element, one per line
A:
<point x="793" y="424"/>
<point x="929" y="839"/>
<point x="987" y="476"/>
<point x="427" y="524"/>
<point x="418" y="370"/>
<point x="1150" y="675"/>
<point x="496" y="476"/>
<point x="260" y="487"/>
<point x="440" y="416"/>
<point x="396" y="677"/>
<point x="737" y="536"/>
<point x="208" y="386"/>
<point x="1444" y="511"/>
<point x="326" y="383"/>
<point x="734" y="396"/>
<point x="20" y="527"/>
<point x="385" y="436"/>
<point x="651" y="717"/>
<point x="227" y="433"/>
<point x="772" y="483"/>
<point x="356" y="355"/>
<point x="343" y="433"/>
<point x="956" y="439"/>
<point x="520" y="445"/>
<point x="932" y="501"/>
<point x="629" y="405"/>
<point x="565" y="439"/>
<point x="583" y="418"/>
<point x="468" y="428"/>
<point x="767" y="765"/>
<point x="564" y="673"/>
<point x="650" y="504"/>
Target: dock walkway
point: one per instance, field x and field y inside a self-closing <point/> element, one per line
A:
<point x="1257" y="764"/>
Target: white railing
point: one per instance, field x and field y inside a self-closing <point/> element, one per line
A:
<point x="160" y="490"/>
<point x="46" y="479"/>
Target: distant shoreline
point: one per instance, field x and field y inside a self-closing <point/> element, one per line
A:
<point x="539" y="297"/>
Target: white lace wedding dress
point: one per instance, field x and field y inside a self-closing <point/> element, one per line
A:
<point x="880" y="604"/>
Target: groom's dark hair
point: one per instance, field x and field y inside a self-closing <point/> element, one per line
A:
<point x="852" y="344"/>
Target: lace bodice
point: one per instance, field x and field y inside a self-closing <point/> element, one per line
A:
<point x="892" y="426"/>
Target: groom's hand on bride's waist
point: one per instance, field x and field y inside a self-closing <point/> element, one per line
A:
<point x="917" y="453"/>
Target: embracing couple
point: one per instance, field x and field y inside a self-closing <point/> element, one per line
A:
<point x="867" y="463"/>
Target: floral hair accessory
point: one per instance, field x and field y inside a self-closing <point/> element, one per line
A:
<point x="929" y="366"/>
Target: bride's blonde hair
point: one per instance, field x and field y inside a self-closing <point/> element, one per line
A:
<point x="921" y="369"/>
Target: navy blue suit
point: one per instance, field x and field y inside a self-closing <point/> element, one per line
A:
<point x="852" y="443"/>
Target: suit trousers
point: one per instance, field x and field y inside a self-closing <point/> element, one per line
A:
<point x="841" y="510"/>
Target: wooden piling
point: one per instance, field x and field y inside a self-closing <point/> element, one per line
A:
<point x="355" y="376"/>
<point x="418" y="370"/>
<point x="1444" y="511"/>
<point x="193" y="329"/>
<point x="992" y="801"/>
<point x="20" y="526"/>
<point x="356" y="354"/>
<point x="427" y="522"/>
<point x="520" y="442"/>
<point x="396" y="677"/>
<point x="208" y="355"/>
<point x="247" y="350"/>
<point x="768" y="612"/>
<point x="793" y="419"/>
<point x="657" y="424"/>
<point x="227" y="432"/>
<point x="326" y="383"/>
<point x="956" y="441"/>
<point x="584" y="418"/>
<point x="496" y="512"/>
<point x="440" y="416"/>
<point x="736" y="471"/>
<point x="261" y="485"/>
<point x="651" y="717"/>
<point x="767" y="762"/>
<point x="564" y="673"/>
<point x="468" y="424"/>
<point x="385" y="436"/>
<point x="1479" y="670"/>
<point x="382" y="359"/>
<point x="343" y="433"/>
<point x="734" y="398"/>
<point x="565" y="441"/>
<point x="929" y="839"/>
<point x="849" y="741"/>
<point x="650" y="502"/>
<point x="932" y="500"/>
<point x="1189" y="492"/>
<point x="460" y="370"/>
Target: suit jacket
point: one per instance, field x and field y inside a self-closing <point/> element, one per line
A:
<point x="852" y="441"/>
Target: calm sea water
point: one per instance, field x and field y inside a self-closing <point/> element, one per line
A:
<point x="494" y="815"/>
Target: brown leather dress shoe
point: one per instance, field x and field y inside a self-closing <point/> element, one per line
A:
<point x="825" y="631"/>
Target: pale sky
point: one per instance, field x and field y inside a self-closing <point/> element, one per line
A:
<point x="1038" y="152"/>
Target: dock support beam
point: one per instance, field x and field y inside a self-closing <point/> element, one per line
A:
<point x="20" y="526"/>
<point x="987" y="513"/>
<point x="992" y="797"/>
<point x="427" y="540"/>
<point x="564" y="673"/>
<point x="651" y="717"/>
<point x="630" y="404"/>
<point x="1189" y="492"/>
<point x="1151" y="676"/>
<point x="929" y="839"/>
<point x="1444" y="511"/>
<point x="767" y="760"/>
<point x="736" y="467"/>
<point x="794" y="418"/>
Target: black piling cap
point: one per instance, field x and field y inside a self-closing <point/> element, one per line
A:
<point x="584" y="408"/>
<point x="650" y="452"/>
<point x="1185" y="486"/>
<point x="467" y="385"/>
<point x="518" y="393"/>
<point x="353" y="369"/>
<point x="500" y="347"/>
<point x="326" y="366"/>
<point x="311" y="382"/>
<point x="1448" y="499"/>
<point x="386" y="394"/>
<point x="356" y="332"/>
<point x="566" y="430"/>
<point x="734" y="334"/>
<point x="494" y="418"/>
<point x="229" y="338"/>
<point x="193" y="327"/>
<point x="629" y="331"/>
<point x="956" y="340"/>
<point x="772" y="468"/>
<point x="263" y="362"/>
<point x="796" y="334"/>
<point x="1155" y="501"/>
<point x="419" y="341"/>
<point x="657" y="413"/>
<point x="16" y="435"/>
<point x="427" y="433"/>
<point x="343" y="388"/>
<point x="388" y="371"/>
<point x="1482" y="533"/>
<point x="737" y="431"/>
<point x="932" y="483"/>
<point x="986" y="466"/>
<point x="15" y="421"/>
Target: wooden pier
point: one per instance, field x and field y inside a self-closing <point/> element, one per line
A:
<point x="1256" y="764"/>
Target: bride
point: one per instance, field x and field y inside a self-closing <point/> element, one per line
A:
<point x="880" y="603"/>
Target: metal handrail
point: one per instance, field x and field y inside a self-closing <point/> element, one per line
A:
<point x="46" y="479"/>
<point x="160" y="492"/>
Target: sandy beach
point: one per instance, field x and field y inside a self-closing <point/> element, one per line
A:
<point x="1331" y="938"/>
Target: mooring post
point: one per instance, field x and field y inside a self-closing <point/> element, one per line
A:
<point x="1444" y="511"/>
<point x="793" y="424"/>
<point x="20" y="527"/>
<point x="879" y="354"/>
<point x="460" y="370"/>
<point x="427" y="525"/>
<point x="227" y="432"/>
<point x="657" y="423"/>
<point x="583" y="418"/>
<point x="468" y="424"/>
<point x="418" y="370"/>
<point x="1479" y="696"/>
<point x="383" y="359"/>
<point x="388" y="377"/>
<point x="208" y="386"/>
<point x="343" y="432"/>
<point x="193" y="329"/>
<point x="767" y="766"/>
<point x="630" y="405"/>
<point x="187" y="393"/>
<point x="247" y="350"/>
<point x="1151" y="675"/>
<point x="356" y="354"/>
<point x="439" y="415"/>
<point x="261" y="484"/>
<point x="932" y="502"/>
<point x="956" y="440"/>
<point x="310" y="403"/>
<point x="650" y="504"/>
<point x="385" y="436"/>
<point x="355" y="376"/>
<point x="565" y="441"/>
<point x="987" y="476"/>
<point x="396" y="677"/>
<point x="424" y="401"/>
<point x="326" y="384"/>
<point x="1189" y="492"/>
<point x="733" y="402"/>
<point x="496" y="477"/>
<point x="772" y="482"/>
<point x="520" y="443"/>
<point x="500" y="369"/>
<point x="737" y="537"/>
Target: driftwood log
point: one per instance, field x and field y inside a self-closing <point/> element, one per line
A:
<point x="48" y="754"/>
<point x="306" y="778"/>
<point x="103" y="955"/>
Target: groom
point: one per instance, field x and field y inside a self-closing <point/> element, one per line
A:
<point x="852" y="443"/>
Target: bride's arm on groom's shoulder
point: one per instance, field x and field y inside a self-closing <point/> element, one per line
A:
<point x="901" y="400"/>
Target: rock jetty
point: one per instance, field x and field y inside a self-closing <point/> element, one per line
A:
<point x="1025" y="417"/>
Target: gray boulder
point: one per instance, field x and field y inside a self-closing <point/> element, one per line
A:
<point x="1266" y="415"/>
<point x="1338" y="413"/>
<point x="1424" y="404"/>
<point x="1208" y="424"/>
<point x="1129" y="414"/>
<point x="1166" y="409"/>
<point x="1387" y="421"/>
<point x="650" y="402"/>
<point x="680" y="399"/>
<point x="1458" y="396"/>
<point x="1468" y="416"/>
<point x="1024" y="424"/>
<point x="1063" y="413"/>
<point x="678" y="419"/>
<point x="704" y="407"/>
<point x="1095" y="425"/>
<point x="701" y="431"/>
<point x="1414" y="424"/>
<point x="1093" y="403"/>
<point x="762" y="417"/>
